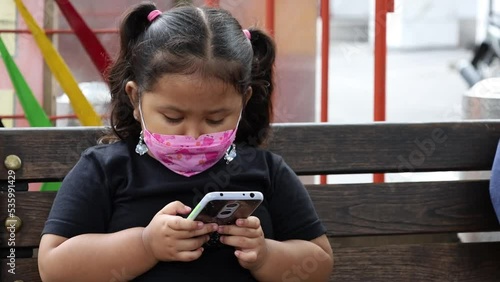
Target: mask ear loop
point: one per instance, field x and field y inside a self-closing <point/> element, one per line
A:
<point x="143" y="122"/>
<point x="141" y="147"/>
<point x="231" y="151"/>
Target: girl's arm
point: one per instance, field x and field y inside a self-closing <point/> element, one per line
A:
<point x="271" y="260"/>
<point x="126" y="254"/>
<point x="296" y="260"/>
<point x="119" y="256"/>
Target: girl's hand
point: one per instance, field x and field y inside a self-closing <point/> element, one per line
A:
<point x="248" y="239"/>
<point x="169" y="237"/>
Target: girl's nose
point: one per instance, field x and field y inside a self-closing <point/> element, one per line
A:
<point x="193" y="131"/>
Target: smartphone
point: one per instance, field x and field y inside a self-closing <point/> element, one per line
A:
<point x="224" y="208"/>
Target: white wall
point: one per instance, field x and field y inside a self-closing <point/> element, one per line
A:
<point x="351" y="9"/>
<point x="466" y="9"/>
<point x="420" y="23"/>
<point x="482" y="11"/>
<point x="361" y="8"/>
<point x="426" y="23"/>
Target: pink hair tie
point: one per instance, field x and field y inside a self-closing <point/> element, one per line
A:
<point x="247" y="34"/>
<point x="153" y="14"/>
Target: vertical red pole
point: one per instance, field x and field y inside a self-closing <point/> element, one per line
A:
<point x="382" y="7"/>
<point x="270" y="17"/>
<point x="212" y="3"/>
<point x="325" y="44"/>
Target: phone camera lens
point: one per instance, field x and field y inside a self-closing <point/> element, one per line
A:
<point x="252" y="195"/>
<point x="231" y="205"/>
<point x="221" y="194"/>
<point x="225" y="212"/>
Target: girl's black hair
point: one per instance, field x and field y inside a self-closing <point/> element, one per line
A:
<point x="187" y="40"/>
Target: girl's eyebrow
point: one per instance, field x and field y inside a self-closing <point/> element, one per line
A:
<point x="216" y="111"/>
<point x="171" y="108"/>
<point x="211" y="112"/>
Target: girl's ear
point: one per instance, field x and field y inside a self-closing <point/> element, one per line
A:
<point x="133" y="94"/>
<point x="247" y="95"/>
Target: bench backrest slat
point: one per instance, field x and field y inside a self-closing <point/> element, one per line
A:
<point x="346" y="210"/>
<point x="26" y="270"/>
<point x="307" y="148"/>
<point x="46" y="154"/>
<point x="403" y="208"/>
<point x="33" y="209"/>
<point x="385" y="147"/>
<point x="422" y="262"/>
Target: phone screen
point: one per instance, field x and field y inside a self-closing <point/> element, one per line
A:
<point x="226" y="212"/>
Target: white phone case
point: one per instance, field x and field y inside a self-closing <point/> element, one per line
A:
<point x="226" y="207"/>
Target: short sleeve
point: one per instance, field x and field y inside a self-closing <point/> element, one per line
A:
<point x="82" y="203"/>
<point x="495" y="183"/>
<point x="292" y="211"/>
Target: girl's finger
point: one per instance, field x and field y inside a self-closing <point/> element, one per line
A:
<point x="246" y="256"/>
<point x="191" y="244"/>
<point x="239" y="242"/>
<point x="240" y="231"/>
<point x="206" y="229"/>
<point x="189" y="255"/>
<point x="178" y="223"/>
<point x="250" y="222"/>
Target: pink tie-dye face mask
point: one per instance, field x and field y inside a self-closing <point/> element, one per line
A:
<point x="188" y="156"/>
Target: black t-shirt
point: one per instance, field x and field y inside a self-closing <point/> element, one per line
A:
<point x="112" y="188"/>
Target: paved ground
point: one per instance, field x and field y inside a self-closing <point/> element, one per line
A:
<point x="421" y="86"/>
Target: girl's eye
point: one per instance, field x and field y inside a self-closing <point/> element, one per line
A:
<point x="215" y="122"/>
<point x="173" y="120"/>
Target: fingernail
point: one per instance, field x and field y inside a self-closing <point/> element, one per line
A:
<point x="200" y="224"/>
<point x="239" y="222"/>
<point x="220" y="229"/>
<point x="215" y="227"/>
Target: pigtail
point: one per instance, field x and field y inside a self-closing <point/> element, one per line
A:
<point x="255" y="124"/>
<point x="133" y="26"/>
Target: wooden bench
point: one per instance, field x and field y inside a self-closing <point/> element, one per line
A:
<point x="379" y="232"/>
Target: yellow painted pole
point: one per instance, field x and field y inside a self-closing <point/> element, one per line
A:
<point x="83" y="109"/>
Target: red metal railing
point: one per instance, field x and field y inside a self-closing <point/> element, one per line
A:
<point x="270" y="16"/>
<point x="382" y="7"/>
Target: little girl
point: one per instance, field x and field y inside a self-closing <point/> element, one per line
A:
<point x="191" y="105"/>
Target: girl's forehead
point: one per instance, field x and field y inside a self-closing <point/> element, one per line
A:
<point x="196" y="82"/>
<point x="195" y="91"/>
